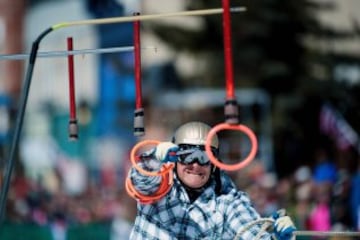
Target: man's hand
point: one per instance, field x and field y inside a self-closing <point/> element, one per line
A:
<point x="166" y="152"/>
<point x="283" y="226"/>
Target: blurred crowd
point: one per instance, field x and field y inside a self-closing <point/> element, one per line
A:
<point x="322" y="197"/>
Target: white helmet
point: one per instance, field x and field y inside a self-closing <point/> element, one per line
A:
<point x="194" y="133"/>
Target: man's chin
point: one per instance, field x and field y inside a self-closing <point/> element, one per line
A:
<point x="195" y="181"/>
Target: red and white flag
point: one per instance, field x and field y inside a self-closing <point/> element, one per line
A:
<point x="334" y="125"/>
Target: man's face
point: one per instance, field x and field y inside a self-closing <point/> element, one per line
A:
<point x="193" y="175"/>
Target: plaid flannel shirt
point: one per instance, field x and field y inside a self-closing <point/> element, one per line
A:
<point x="210" y="216"/>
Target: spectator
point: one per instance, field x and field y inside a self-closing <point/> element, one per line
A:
<point x="325" y="170"/>
<point x="355" y="199"/>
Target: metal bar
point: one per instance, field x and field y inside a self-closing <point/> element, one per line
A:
<point x="19" y="123"/>
<point x="146" y="17"/>
<point x="49" y="54"/>
<point x="325" y="233"/>
<point x="137" y="63"/>
<point x="262" y="221"/>
<point x="73" y="127"/>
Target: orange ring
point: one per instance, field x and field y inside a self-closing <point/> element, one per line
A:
<point x="164" y="188"/>
<point x="164" y="169"/>
<point x="227" y="126"/>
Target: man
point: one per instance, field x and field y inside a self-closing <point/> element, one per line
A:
<point x="203" y="202"/>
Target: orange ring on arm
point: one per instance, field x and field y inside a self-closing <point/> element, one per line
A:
<point x="164" y="188"/>
<point x="227" y="126"/>
<point x="164" y="169"/>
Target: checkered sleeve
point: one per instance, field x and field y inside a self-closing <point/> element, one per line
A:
<point x="240" y="212"/>
<point x="146" y="185"/>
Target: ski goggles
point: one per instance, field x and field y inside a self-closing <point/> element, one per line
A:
<point x="189" y="154"/>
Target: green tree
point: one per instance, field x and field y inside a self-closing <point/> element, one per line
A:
<point x="270" y="43"/>
<point x="280" y="46"/>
